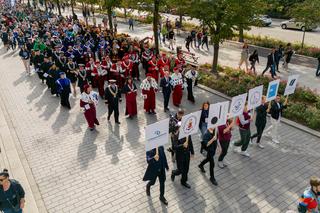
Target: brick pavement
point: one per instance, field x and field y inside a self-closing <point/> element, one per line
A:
<point x="81" y="171"/>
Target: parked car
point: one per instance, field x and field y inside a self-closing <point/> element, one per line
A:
<point x="265" y="20"/>
<point x="293" y="24"/>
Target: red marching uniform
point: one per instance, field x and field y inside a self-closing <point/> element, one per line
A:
<point x="149" y="89"/>
<point x="88" y="103"/>
<point x="100" y="76"/>
<point x="177" y="84"/>
<point x="180" y="61"/>
<point x="134" y="56"/>
<point x="162" y="63"/>
<point x="106" y="64"/>
<point x="131" y="99"/>
<point x="153" y="69"/>
<point x="127" y="65"/>
<point x="118" y="74"/>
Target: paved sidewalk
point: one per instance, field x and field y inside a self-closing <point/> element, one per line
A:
<point x="81" y="171"/>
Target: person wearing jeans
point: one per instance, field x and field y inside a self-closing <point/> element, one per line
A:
<point x="244" y="128"/>
<point x="204" y="120"/>
<point x="224" y="135"/>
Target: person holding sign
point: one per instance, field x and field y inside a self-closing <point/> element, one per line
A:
<point x="210" y="142"/>
<point x="112" y="97"/>
<point x="276" y="109"/>
<point x="88" y="102"/>
<point x="244" y="121"/>
<point x="261" y="120"/>
<point x="184" y="151"/>
<point x="157" y="166"/>
<point x="224" y="135"/>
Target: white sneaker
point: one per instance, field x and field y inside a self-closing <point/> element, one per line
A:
<point x="260" y="146"/>
<point x="275" y="141"/>
<point x="220" y="164"/>
<point x="245" y="153"/>
<point x="236" y="149"/>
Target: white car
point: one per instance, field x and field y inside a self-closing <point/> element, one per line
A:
<point x="293" y="24"/>
<point x="265" y="20"/>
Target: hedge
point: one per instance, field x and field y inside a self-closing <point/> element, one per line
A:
<point x="303" y="107"/>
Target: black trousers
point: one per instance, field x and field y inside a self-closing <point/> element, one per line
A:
<point x="112" y="109"/>
<point x="182" y="169"/>
<point x="224" y="149"/>
<point x="162" y="178"/>
<point x="190" y="91"/>
<point x="258" y="135"/>
<point x="64" y="97"/>
<point x="166" y="98"/>
<point x="210" y="158"/>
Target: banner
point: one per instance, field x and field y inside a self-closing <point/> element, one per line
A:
<point x="157" y="134"/>
<point x="189" y="124"/>
<point x="273" y="90"/>
<point x="255" y="96"/>
<point x="291" y="84"/>
<point x="218" y="114"/>
<point x="237" y="105"/>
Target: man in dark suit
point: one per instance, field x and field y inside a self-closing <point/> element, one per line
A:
<point x="271" y="64"/>
<point x="276" y="113"/>
<point x="166" y="89"/>
<point x="157" y="166"/>
<point x="112" y="97"/>
<point x="261" y="120"/>
<point x="184" y="151"/>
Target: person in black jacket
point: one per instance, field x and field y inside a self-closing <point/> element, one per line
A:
<point x="166" y="89"/>
<point x="276" y="108"/>
<point x="254" y="58"/>
<point x="184" y="151"/>
<point x="271" y="64"/>
<point x="261" y="120"/>
<point x="209" y="141"/>
<point x="112" y="97"/>
<point x="11" y="194"/>
<point x="157" y="166"/>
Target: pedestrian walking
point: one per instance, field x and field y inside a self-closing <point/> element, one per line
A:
<point x="177" y="26"/>
<point x="130" y="23"/>
<point x="113" y="97"/>
<point x="261" y="120"/>
<point x="193" y="35"/>
<point x="166" y="89"/>
<point x="309" y="201"/>
<point x="276" y="110"/>
<point x="254" y="58"/>
<point x="25" y="57"/>
<point x="244" y="121"/>
<point x="318" y="69"/>
<point x="11" y="194"/>
<point x="209" y="141"/>
<point x="224" y="136"/>
<point x="244" y="57"/>
<point x="64" y="89"/>
<point x="188" y="42"/>
<point x="199" y="39"/>
<point x="130" y="91"/>
<point x="88" y="102"/>
<point x="171" y="38"/>
<point x="278" y="56"/>
<point x="288" y="53"/>
<point x="271" y="64"/>
<point x="164" y="34"/>
<point x="157" y="166"/>
<point x="191" y="77"/>
<point x="205" y="40"/>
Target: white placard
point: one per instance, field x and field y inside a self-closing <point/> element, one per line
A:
<point x="218" y="114"/>
<point x="157" y="134"/>
<point x="189" y="124"/>
<point x="273" y="90"/>
<point x="255" y="97"/>
<point x="237" y="105"/>
<point x="45" y="75"/>
<point x="291" y="84"/>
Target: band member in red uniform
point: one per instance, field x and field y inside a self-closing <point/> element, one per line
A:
<point x="149" y="88"/>
<point x="127" y="66"/>
<point x="146" y="57"/>
<point x="88" y="102"/>
<point x="134" y="56"/>
<point x="130" y="90"/>
<point x="180" y="60"/>
<point x="162" y="63"/>
<point x="106" y="64"/>
<point x="177" y="84"/>
<point x="89" y="68"/>
<point x="117" y="73"/>
<point x="153" y="68"/>
<point x="99" y="77"/>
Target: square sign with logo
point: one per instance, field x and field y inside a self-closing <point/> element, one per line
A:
<point x="157" y="134"/>
<point x="189" y="124"/>
<point x="273" y="90"/>
<point x="291" y="84"/>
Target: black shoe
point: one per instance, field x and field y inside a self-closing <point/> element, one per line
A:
<point x="148" y="190"/>
<point x="167" y="109"/>
<point x="108" y="118"/>
<point x="172" y="176"/>
<point x="117" y="122"/>
<point x="186" y="185"/>
<point x="164" y="201"/>
<point x="213" y="181"/>
<point x="201" y="169"/>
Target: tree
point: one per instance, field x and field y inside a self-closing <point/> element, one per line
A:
<point x="308" y="13"/>
<point x="181" y="6"/>
<point x="220" y="17"/>
<point x="110" y="5"/>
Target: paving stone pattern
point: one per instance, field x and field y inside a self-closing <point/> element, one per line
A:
<point x="101" y="171"/>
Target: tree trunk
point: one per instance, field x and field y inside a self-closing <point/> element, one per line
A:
<point x="215" y="58"/>
<point x="125" y="13"/>
<point x="109" y="11"/>
<point x="58" y="5"/>
<point x="241" y="37"/>
<point x="72" y="7"/>
<point x="180" y="17"/>
<point x="155" y="25"/>
<point x="304" y="34"/>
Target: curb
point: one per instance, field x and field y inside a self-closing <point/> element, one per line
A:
<point x="283" y="120"/>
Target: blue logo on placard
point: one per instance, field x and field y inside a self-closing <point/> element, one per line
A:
<point x="273" y="90"/>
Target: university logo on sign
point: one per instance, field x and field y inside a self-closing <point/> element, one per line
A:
<point x="237" y="105"/>
<point x="189" y="125"/>
<point x="291" y="84"/>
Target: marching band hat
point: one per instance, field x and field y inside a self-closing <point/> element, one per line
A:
<point x="62" y="73"/>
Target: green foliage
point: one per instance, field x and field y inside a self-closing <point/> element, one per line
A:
<point x="307" y="12"/>
<point x="304" y="104"/>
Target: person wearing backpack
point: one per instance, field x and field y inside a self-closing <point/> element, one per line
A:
<point x="11" y="194"/>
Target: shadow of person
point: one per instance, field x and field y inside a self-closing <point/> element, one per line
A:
<point x="87" y="149"/>
<point x="133" y="133"/>
<point x="61" y="119"/>
<point x="114" y="143"/>
<point x="50" y="106"/>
